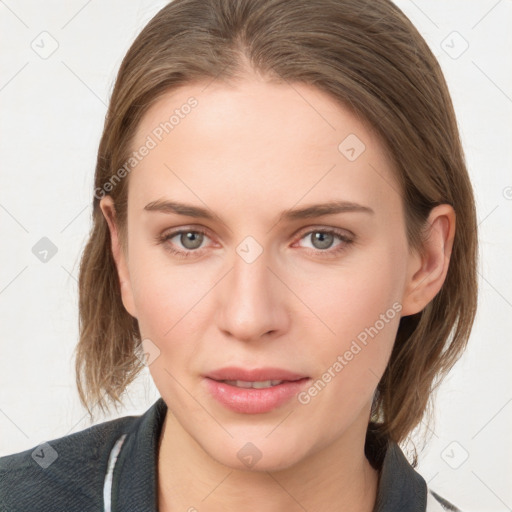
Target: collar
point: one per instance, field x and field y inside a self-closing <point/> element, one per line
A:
<point x="400" y="486"/>
<point x="131" y="482"/>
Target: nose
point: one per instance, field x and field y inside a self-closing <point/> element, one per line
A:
<point x="252" y="300"/>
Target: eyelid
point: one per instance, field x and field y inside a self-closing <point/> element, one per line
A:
<point x="300" y="234"/>
<point x="172" y="232"/>
<point x="326" y="229"/>
<point x="346" y="237"/>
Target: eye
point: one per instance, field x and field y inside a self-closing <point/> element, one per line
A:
<point x="322" y="240"/>
<point x="190" y="240"/>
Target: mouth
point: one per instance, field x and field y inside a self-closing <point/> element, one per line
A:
<point x="256" y="384"/>
<point x="254" y="391"/>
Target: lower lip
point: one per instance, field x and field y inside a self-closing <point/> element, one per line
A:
<point x="251" y="400"/>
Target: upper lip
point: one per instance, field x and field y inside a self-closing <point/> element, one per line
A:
<point x="253" y="375"/>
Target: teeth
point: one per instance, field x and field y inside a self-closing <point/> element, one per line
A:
<point x="255" y="384"/>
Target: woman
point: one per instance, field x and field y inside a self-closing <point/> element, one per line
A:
<point x="284" y="232"/>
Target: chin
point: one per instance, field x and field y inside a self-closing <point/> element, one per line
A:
<point x="255" y="456"/>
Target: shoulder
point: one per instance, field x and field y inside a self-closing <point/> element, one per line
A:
<point x="61" y="474"/>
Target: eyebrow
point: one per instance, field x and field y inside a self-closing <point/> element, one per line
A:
<point x="307" y="212"/>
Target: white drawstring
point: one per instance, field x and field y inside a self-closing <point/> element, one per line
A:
<point x="107" y="486"/>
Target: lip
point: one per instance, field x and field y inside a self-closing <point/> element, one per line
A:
<point x="252" y="400"/>
<point x="235" y="373"/>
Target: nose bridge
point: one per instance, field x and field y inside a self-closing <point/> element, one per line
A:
<point x="250" y="267"/>
<point x="252" y="303"/>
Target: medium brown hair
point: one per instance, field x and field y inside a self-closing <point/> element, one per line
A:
<point x="368" y="57"/>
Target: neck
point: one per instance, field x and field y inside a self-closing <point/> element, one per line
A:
<point x="337" y="478"/>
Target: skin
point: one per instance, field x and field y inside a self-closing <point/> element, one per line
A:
<point x="246" y="153"/>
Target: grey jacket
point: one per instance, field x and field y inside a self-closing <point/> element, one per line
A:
<point x="111" y="467"/>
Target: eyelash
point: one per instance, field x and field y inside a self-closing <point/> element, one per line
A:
<point x="161" y="239"/>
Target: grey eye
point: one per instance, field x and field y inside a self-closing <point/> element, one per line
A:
<point x="321" y="240"/>
<point x="191" y="239"/>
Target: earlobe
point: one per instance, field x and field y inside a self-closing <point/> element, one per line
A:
<point x="427" y="270"/>
<point x="108" y="208"/>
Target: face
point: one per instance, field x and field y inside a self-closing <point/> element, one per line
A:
<point x="250" y="275"/>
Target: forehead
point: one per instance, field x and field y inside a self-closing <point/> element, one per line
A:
<point x="259" y="141"/>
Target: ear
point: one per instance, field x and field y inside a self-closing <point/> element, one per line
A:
<point x="108" y="208"/>
<point x="427" y="268"/>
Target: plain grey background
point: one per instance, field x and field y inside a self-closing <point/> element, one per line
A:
<point x="58" y="64"/>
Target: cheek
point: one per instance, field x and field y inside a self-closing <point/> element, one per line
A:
<point x="350" y="363"/>
<point x="349" y="299"/>
<point x="166" y="295"/>
<point x="169" y="302"/>
<point x="357" y="313"/>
